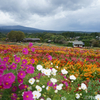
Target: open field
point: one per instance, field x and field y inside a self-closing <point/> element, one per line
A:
<point x="40" y="71"/>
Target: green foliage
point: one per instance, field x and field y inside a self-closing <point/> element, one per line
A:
<point x="16" y="36"/>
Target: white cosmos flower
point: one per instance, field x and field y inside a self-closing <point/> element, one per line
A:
<point x="48" y="87"/>
<point x="43" y="86"/>
<point x="37" y="80"/>
<point x="31" y="81"/>
<point x="38" y="88"/>
<point x="47" y="72"/>
<point x="83" y="86"/>
<point x="48" y="99"/>
<point x="53" y="72"/>
<point x="64" y="71"/>
<point x="97" y="97"/>
<point x="56" y="91"/>
<point x="72" y="77"/>
<point x="53" y="80"/>
<point x="36" y="94"/>
<point x="77" y="96"/>
<point x="59" y="87"/>
<point x="39" y="67"/>
<point x="43" y="70"/>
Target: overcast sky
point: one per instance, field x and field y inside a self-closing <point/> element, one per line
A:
<point x="66" y="15"/>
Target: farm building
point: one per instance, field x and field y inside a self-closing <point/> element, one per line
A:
<point x="31" y="39"/>
<point x="78" y="44"/>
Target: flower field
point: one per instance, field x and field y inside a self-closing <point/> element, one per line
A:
<point x="29" y="72"/>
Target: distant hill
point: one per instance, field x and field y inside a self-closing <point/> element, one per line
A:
<point x="6" y="29"/>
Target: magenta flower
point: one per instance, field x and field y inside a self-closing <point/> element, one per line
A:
<point x="1" y="80"/>
<point x="50" y="57"/>
<point x="9" y="77"/>
<point x="54" y="86"/>
<point x="14" y="88"/>
<point x="32" y="61"/>
<point x="3" y="67"/>
<point x="20" y="80"/>
<point x="17" y="59"/>
<point x="5" y="60"/>
<point x="7" y="85"/>
<point x="22" y="86"/>
<point x="21" y="74"/>
<point x="13" y="66"/>
<point x="27" y="95"/>
<point x="30" y="69"/>
<point x="1" y="86"/>
<point x="30" y="44"/>
<point x="25" y="51"/>
<point x="33" y="49"/>
<point x="24" y="61"/>
<point x="1" y="72"/>
<point x="13" y="96"/>
<point x="50" y="83"/>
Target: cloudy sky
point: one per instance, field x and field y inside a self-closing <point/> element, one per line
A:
<point x="66" y="15"/>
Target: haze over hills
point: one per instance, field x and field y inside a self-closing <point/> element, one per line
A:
<point x="6" y="29"/>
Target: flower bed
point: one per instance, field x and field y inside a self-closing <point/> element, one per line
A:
<point x="49" y="73"/>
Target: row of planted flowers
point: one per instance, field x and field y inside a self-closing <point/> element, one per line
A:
<point x="29" y="73"/>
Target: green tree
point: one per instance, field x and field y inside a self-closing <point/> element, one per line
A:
<point x="16" y="36"/>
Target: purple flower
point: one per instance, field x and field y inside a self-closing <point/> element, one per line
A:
<point x="17" y="59"/>
<point x="5" y="60"/>
<point x="3" y="67"/>
<point x="54" y="86"/>
<point x="1" y="72"/>
<point x="14" y="88"/>
<point x="50" y="57"/>
<point x="32" y="61"/>
<point x="50" y="83"/>
<point x="25" y="51"/>
<point x="30" y="44"/>
<point x="24" y="61"/>
<point x="13" y="66"/>
<point x="33" y="49"/>
<point x="7" y="85"/>
<point x="20" y="80"/>
<point x="1" y="80"/>
<point x="27" y="95"/>
<point x="9" y="77"/>
<point x="1" y="86"/>
<point x="21" y="86"/>
<point x="13" y="96"/>
<point x="21" y="74"/>
<point x="30" y="70"/>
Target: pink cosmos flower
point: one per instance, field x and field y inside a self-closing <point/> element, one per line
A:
<point x="30" y="69"/>
<point x="50" y="57"/>
<point x="24" y="61"/>
<point x="25" y="51"/>
<point x="3" y="67"/>
<point x="13" y="66"/>
<point x="50" y="83"/>
<point x="1" y="80"/>
<point x="30" y="44"/>
<point x="32" y="61"/>
<point x="14" y="88"/>
<point x="17" y="59"/>
<point x="9" y="77"/>
<point x="28" y="95"/>
<point x="20" y="80"/>
<point x="54" y="86"/>
<point x="1" y="86"/>
<point x="21" y="74"/>
<point x="33" y="49"/>
<point x="13" y="96"/>
<point x="5" y="60"/>
<point x="1" y="72"/>
<point x="7" y="85"/>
